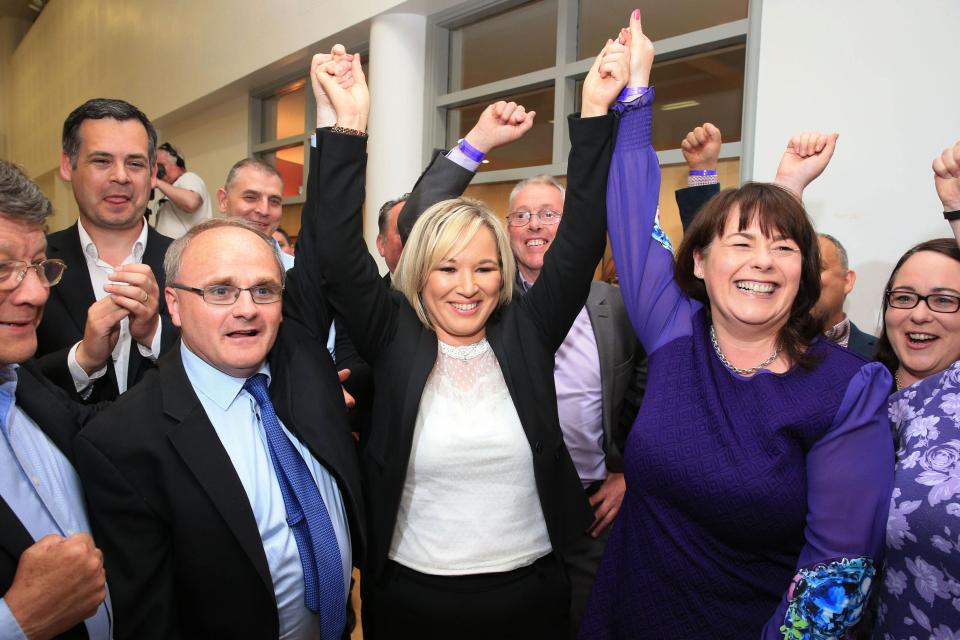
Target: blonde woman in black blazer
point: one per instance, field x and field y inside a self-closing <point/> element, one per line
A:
<point x="453" y="301"/>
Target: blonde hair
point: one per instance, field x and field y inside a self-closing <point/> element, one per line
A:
<point x="443" y="231"/>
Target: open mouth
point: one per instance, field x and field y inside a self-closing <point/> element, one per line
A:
<point x="751" y="286"/>
<point x="536" y="242"/>
<point x="918" y="339"/>
<point x="465" y="307"/>
<point x="243" y="333"/>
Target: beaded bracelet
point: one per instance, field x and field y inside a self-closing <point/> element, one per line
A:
<point x="347" y="131"/>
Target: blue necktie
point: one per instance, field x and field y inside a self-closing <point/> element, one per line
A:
<point x="308" y="519"/>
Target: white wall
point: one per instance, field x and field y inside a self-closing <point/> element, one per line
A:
<point x="884" y="75"/>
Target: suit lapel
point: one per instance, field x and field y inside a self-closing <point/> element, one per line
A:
<point x="424" y="359"/>
<point x="197" y="443"/>
<point x="47" y="411"/>
<point x="74" y="290"/>
<point x="14" y="537"/>
<point x="599" y="312"/>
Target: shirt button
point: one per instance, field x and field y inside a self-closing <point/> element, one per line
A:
<point x="36" y="481"/>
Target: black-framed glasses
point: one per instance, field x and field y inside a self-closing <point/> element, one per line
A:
<point x="522" y="218"/>
<point x="939" y="302"/>
<point x="228" y="294"/>
<point x="12" y="272"/>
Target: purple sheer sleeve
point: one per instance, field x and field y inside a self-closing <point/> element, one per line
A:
<point x="658" y="309"/>
<point x="849" y="482"/>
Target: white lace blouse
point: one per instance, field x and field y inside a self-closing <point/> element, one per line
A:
<point x="469" y="502"/>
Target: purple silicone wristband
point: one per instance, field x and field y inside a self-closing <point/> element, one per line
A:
<point x="471" y="151"/>
<point x="631" y="92"/>
<point x="703" y="172"/>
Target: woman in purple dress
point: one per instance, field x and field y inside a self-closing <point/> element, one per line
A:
<point x="920" y="343"/>
<point x="759" y="468"/>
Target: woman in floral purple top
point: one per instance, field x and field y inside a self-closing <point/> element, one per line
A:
<point x="920" y="343"/>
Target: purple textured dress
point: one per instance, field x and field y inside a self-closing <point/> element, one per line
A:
<point x="740" y="491"/>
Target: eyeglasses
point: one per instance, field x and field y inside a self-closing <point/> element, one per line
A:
<point x="522" y="218"/>
<point x="12" y="272"/>
<point x="225" y="294"/>
<point x="939" y="302"/>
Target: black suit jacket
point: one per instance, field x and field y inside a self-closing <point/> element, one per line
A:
<point x="179" y="538"/>
<point x="60" y="419"/>
<point x="65" y="315"/>
<point x="862" y="342"/>
<point x="524" y="335"/>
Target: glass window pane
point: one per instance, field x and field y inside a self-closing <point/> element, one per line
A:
<point x="283" y="115"/>
<point x="289" y="162"/>
<point x="290" y="219"/>
<point x="518" y="41"/>
<point x="534" y="148"/>
<point x="602" y="19"/>
<point x="690" y="91"/>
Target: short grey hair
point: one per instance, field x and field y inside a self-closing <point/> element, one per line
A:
<point x="174" y="257"/>
<point x="543" y="178"/>
<point x="841" y="251"/>
<point x="20" y="197"/>
<point x="253" y="163"/>
<point x="385" y="211"/>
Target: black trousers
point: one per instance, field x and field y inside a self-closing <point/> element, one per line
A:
<point x="526" y="603"/>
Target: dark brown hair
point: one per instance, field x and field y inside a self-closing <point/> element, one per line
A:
<point x="944" y="246"/>
<point x="778" y="211"/>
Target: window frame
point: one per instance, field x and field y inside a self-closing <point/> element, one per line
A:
<point x="563" y="76"/>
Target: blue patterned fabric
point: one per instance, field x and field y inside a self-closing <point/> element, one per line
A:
<point x="828" y="599"/>
<point x="308" y="518"/>
<point x="920" y="594"/>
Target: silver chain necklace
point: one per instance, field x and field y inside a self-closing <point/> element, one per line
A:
<point x="738" y="370"/>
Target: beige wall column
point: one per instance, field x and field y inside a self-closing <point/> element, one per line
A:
<point x="12" y="31"/>
<point x="397" y="59"/>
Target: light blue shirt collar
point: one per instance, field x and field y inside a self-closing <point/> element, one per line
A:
<point x="220" y="387"/>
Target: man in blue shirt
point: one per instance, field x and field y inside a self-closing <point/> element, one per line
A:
<point x="51" y="574"/>
<point x="224" y="489"/>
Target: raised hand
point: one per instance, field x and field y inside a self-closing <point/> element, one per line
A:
<point x="701" y="147"/>
<point x="806" y="157"/>
<point x="326" y="115"/>
<point x="499" y="124"/>
<point x="641" y="51"/>
<point x="946" y="177"/>
<point x="59" y="583"/>
<point x="606" y="78"/>
<point x="351" y="103"/>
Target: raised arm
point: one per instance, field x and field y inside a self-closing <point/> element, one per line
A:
<point x="564" y="283"/>
<point x="449" y="174"/>
<point x="658" y="310"/>
<point x="849" y="481"/>
<point x="804" y="159"/>
<point x="946" y="177"/>
<point x="701" y="150"/>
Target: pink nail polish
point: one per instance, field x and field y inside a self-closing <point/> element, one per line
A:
<point x="636" y="14"/>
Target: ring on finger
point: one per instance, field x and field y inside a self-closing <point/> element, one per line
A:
<point x="145" y="297"/>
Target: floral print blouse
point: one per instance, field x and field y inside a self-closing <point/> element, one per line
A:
<point x="920" y="594"/>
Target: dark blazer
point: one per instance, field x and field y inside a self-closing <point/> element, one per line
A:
<point x="443" y="179"/>
<point x="862" y="342"/>
<point x="179" y="538"/>
<point x="524" y="335"/>
<point x="65" y="315"/>
<point x="60" y="419"/>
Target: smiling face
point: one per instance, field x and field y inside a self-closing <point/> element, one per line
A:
<point x="926" y="342"/>
<point x="113" y="178"/>
<point x="530" y="243"/>
<point x="236" y="338"/>
<point x="253" y="195"/>
<point x="751" y="279"/>
<point x="463" y="289"/>
<point x="21" y="308"/>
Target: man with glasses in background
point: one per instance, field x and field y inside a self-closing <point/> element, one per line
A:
<point x="51" y="574"/>
<point x="185" y="201"/>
